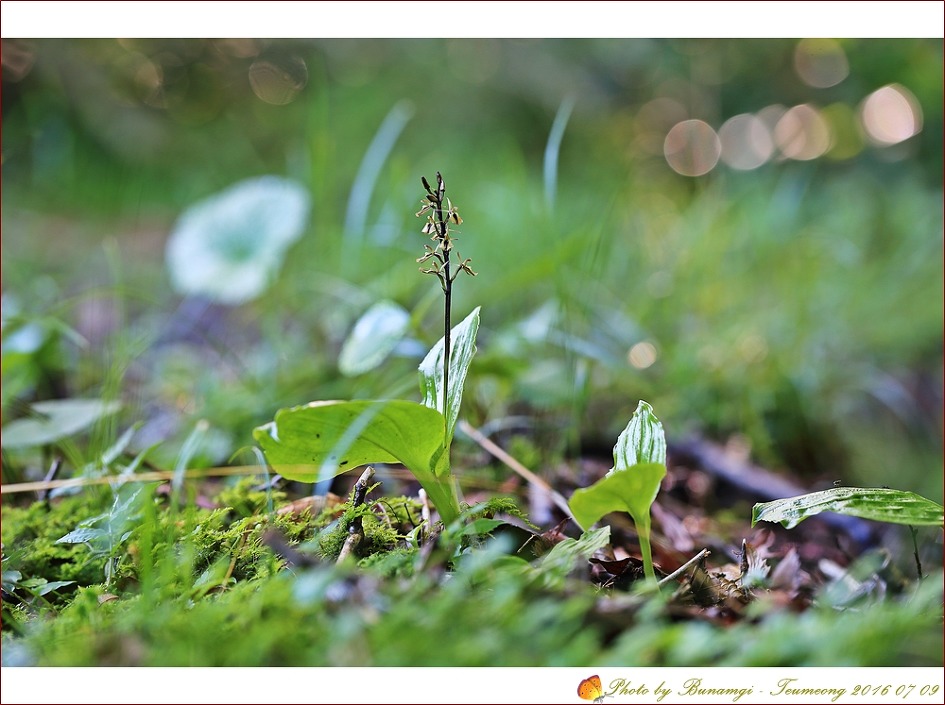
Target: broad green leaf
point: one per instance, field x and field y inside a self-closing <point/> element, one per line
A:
<point x="876" y="503"/>
<point x="326" y="438"/>
<point x="55" y="420"/>
<point x="631" y="490"/>
<point x="642" y="441"/>
<point x="373" y="337"/>
<point x="462" y="349"/>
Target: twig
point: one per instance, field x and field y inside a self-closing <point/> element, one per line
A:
<point x="497" y="452"/>
<point x="681" y="569"/>
<point x="43" y="493"/>
<point x="156" y="476"/>
<point x="356" y="529"/>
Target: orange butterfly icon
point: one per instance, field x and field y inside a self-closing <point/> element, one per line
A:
<point x="591" y="689"/>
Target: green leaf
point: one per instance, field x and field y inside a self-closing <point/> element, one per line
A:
<point x="632" y="490"/>
<point x="876" y="503"/>
<point x="642" y="441"/>
<point x="83" y="536"/>
<point x="462" y="349"/>
<point x="373" y="338"/>
<point x="482" y="526"/>
<point x="11" y="579"/>
<point x="326" y="438"/>
<point x="55" y="420"/>
<point x="563" y="557"/>
<point x="40" y="587"/>
<point x="633" y="483"/>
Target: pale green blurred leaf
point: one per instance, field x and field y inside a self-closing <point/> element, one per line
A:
<point x="230" y="246"/>
<point x="373" y="338"/>
<point x="56" y="419"/>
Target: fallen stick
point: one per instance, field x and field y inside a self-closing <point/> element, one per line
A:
<point x="356" y="529"/>
<point x="679" y="571"/>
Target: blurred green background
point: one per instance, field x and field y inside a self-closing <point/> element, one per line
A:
<point x="745" y="233"/>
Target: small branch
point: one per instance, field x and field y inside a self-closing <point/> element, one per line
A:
<point x="54" y="469"/>
<point x="157" y="476"/>
<point x="356" y="529"/>
<point x="679" y="571"/>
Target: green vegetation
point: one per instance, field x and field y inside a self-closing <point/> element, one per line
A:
<point x="633" y="483"/>
<point x="238" y="238"/>
<point x="877" y="503"/>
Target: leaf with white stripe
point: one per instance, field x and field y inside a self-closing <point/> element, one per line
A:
<point x="642" y="441"/>
<point x="876" y="503"/>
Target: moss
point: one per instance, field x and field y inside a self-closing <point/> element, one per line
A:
<point x="500" y="505"/>
<point x="246" y="501"/>
<point x="385" y="524"/>
<point x="398" y="563"/>
<point x="30" y="535"/>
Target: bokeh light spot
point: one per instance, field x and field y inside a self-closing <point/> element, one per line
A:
<point x="642" y="355"/>
<point x="891" y="115"/>
<point x="802" y="133"/>
<point x="17" y="57"/>
<point x="820" y="63"/>
<point x="692" y="148"/>
<point x="279" y="79"/>
<point x="746" y="142"/>
<point x="752" y="347"/>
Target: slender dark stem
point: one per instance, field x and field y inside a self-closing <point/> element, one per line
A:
<point x="446" y="333"/>
<point x="448" y="294"/>
<point x="915" y="547"/>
